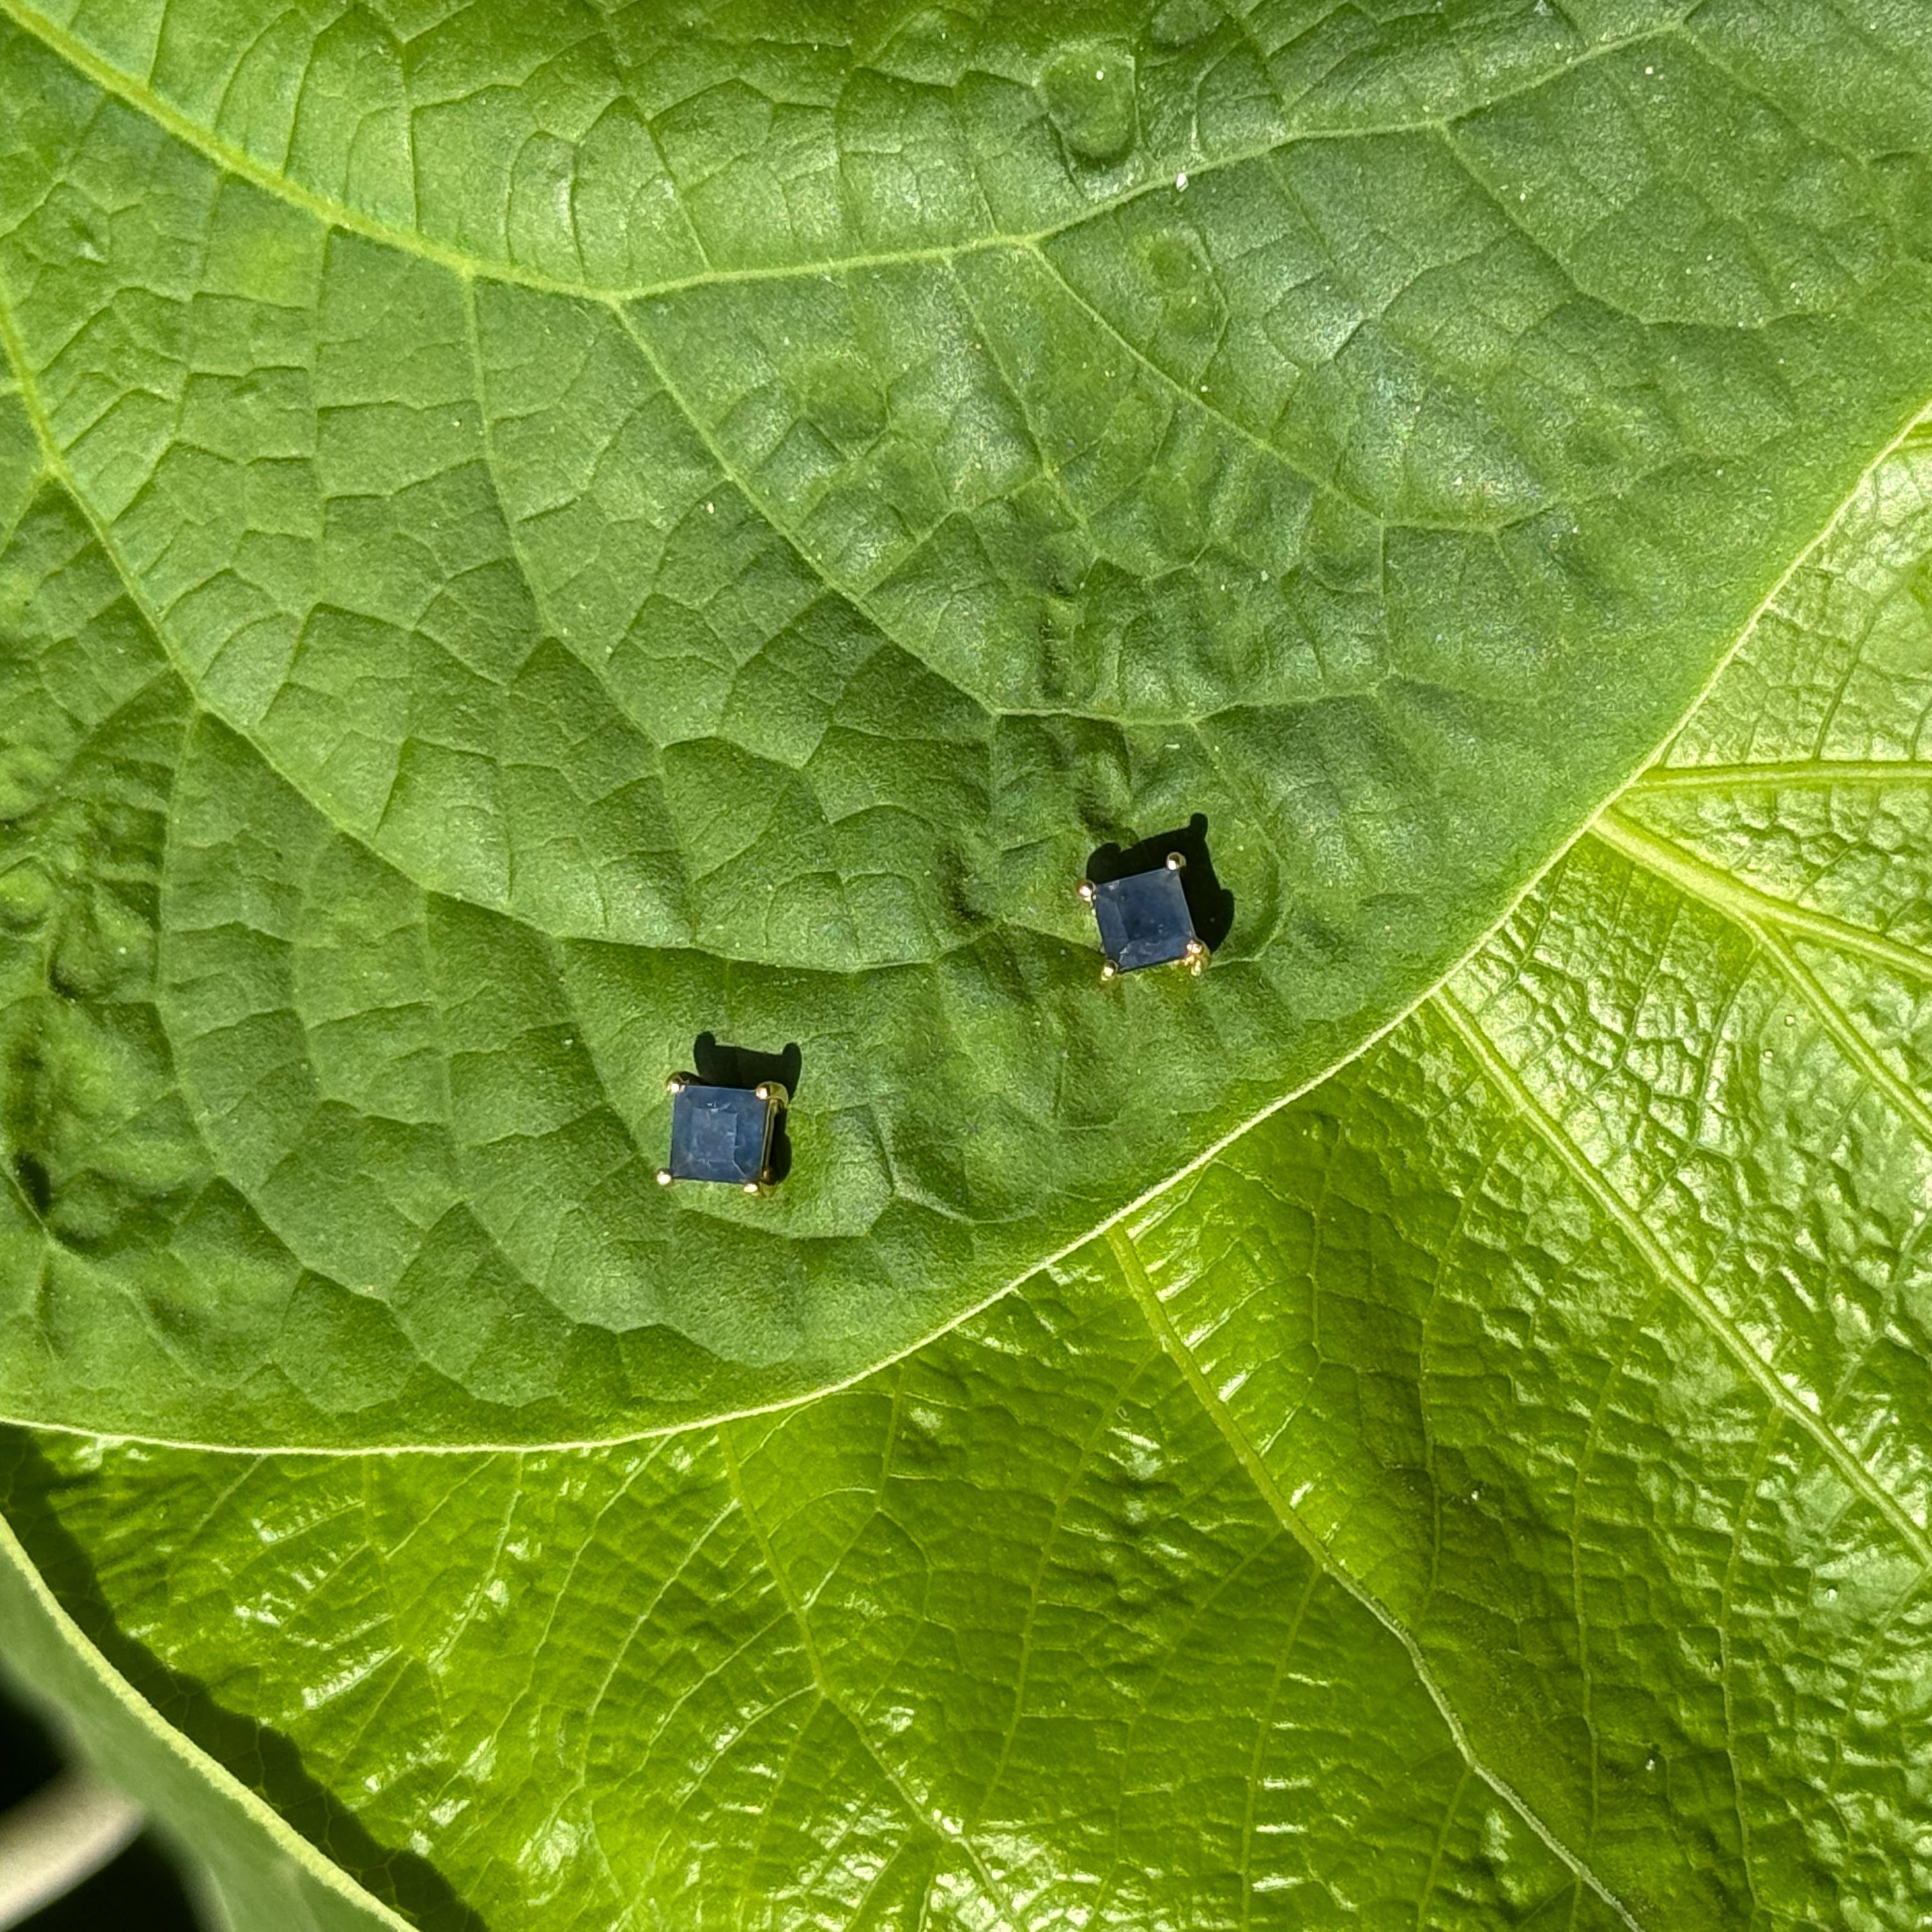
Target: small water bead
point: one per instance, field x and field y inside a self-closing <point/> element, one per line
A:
<point x="27" y="895"/>
<point x="1089" y="93"/>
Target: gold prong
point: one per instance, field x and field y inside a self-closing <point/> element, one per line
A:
<point x="1195" y="958"/>
<point x="665" y="1176"/>
<point x="1175" y="862"/>
<point x="763" y="1090"/>
<point x="677" y="1083"/>
<point x="1085" y="890"/>
<point x="753" y="1187"/>
<point x="1109" y="970"/>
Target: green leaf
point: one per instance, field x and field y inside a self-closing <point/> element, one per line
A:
<point x="1492" y="1492"/>
<point x="248" y="1863"/>
<point x="531" y="535"/>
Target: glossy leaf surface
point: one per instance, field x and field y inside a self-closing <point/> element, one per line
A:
<point x="1493" y="1492"/>
<point x="534" y="534"/>
<point x="247" y="1862"/>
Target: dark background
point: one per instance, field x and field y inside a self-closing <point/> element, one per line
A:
<point x="138" y="1892"/>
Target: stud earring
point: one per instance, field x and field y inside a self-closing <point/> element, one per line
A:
<point x="722" y="1133"/>
<point x="1145" y="921"/>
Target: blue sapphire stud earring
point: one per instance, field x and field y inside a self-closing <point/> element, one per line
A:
<point x="722" y="1133"/>
<point x="1143" y="920"/>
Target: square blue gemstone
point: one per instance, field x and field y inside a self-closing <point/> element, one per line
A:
<point x="1144" y="919"/>
<point x="718" y="1133"/>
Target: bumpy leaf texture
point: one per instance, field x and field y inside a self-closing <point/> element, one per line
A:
<point x="1492" y="1489"/>
<point x="1492" y="1492"/>
<point x="533" y="533"/>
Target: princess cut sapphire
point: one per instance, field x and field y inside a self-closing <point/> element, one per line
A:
<point x="1145" y="921"/>
<point x="720" y="1133"/>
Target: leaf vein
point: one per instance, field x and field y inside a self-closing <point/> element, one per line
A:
<point x="1746" y="905"/>
<point x="142" y="99"/>
<point x="1511" y="1087"/>
<point x="1783" y="774"/>
<point x="1146" y="1298"/>
<point x="917" y="1808"/>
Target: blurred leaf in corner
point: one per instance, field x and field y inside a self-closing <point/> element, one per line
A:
<point x="138" y="1891"/>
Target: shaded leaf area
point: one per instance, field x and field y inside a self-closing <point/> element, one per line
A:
<point x="246" y="1862"/>
<point x="535" y="534"/>
<point x="1491" y="1492"/>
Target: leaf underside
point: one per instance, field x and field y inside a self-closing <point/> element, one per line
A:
<point x="533" y="536"/>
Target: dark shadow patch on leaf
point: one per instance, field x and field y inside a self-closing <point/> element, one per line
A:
<point x="31" y="1171"/>
<point x="261" y="1757"/>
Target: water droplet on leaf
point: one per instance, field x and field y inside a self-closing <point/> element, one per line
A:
<point x="1181" y="22"/>
<point x="26" y="894"/>
<point x="1088" y="92"/>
